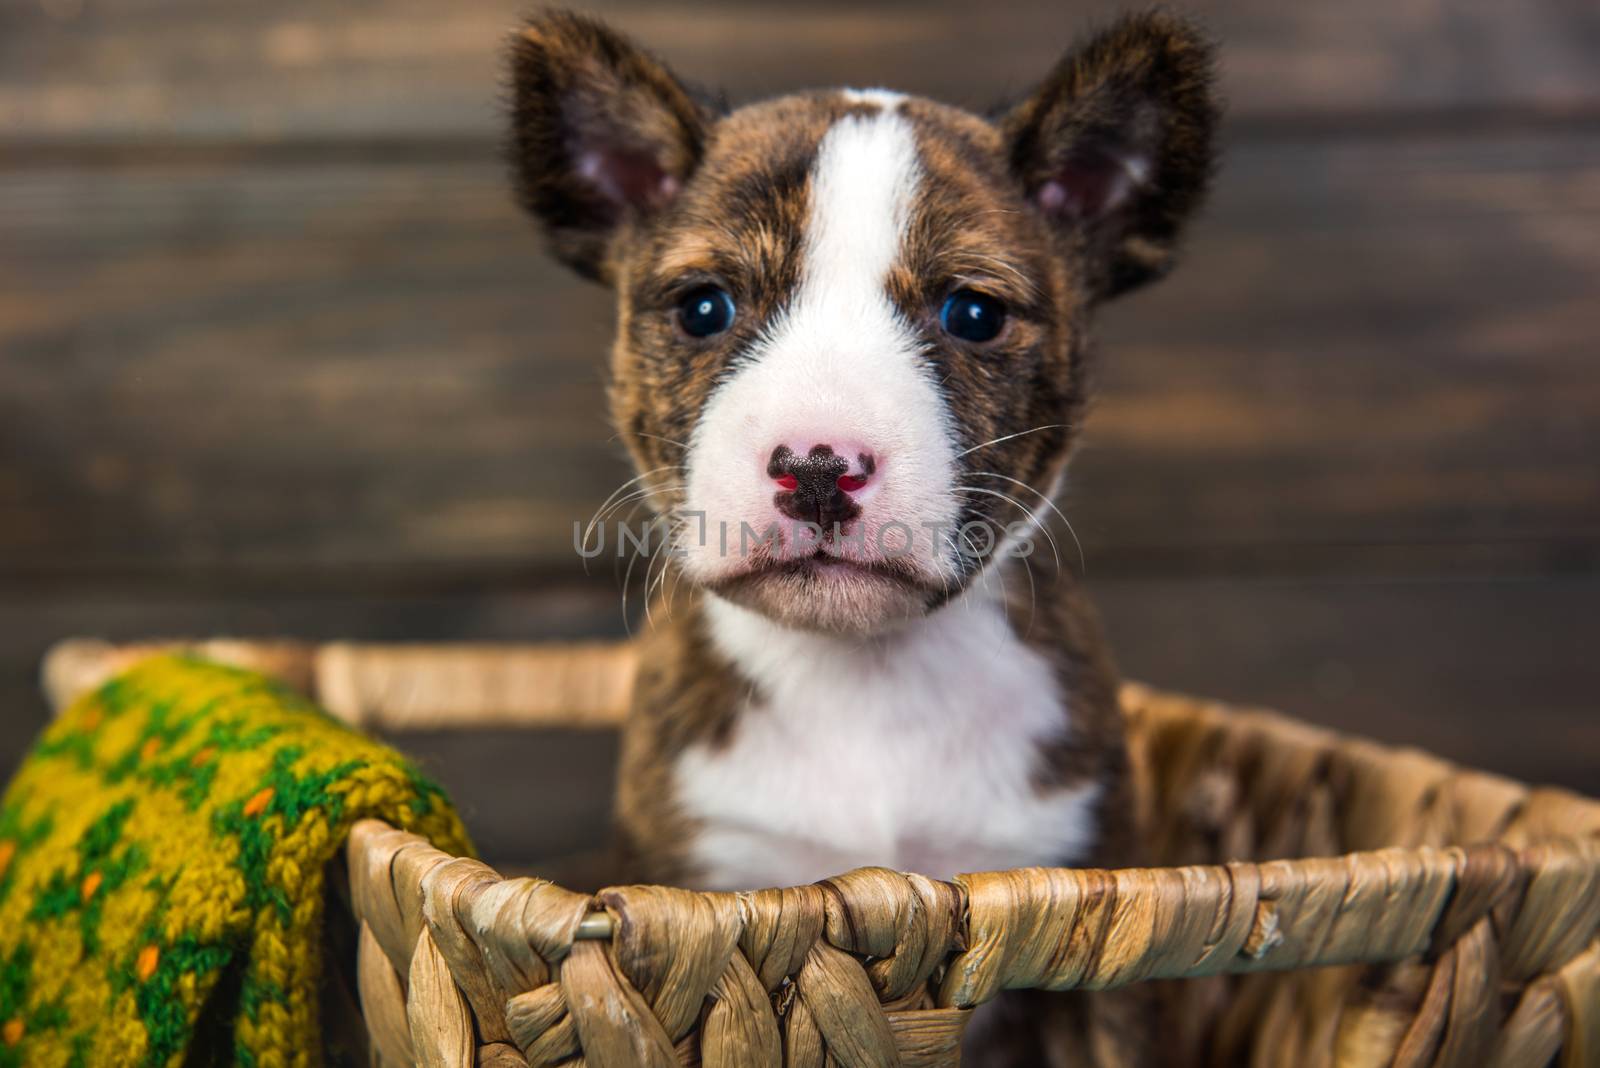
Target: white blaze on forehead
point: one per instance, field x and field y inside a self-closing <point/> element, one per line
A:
<point x="883" y="98"/>
<point x="840" y="364"/>
<point x="862" y="188"/>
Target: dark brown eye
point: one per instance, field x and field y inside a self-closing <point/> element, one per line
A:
<point x="705" y="311"/>
<point x="972" y="316"/>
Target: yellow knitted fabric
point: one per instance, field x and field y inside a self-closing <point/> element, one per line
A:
<point x="169" y="831"/>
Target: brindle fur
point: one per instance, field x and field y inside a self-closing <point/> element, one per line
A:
<point x="700" y="196"/>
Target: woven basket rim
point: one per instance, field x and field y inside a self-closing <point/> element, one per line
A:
<point x="458" y="965"/>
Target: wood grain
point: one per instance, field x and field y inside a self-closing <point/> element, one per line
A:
<point x="324" y="368"/>
<point x="277" y="357"/>
<point x="120" y="69"/>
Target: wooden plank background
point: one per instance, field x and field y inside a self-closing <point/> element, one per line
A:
<point x="277" y="356"/>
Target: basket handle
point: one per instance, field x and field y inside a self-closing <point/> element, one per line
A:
<point x="399" y="687"/>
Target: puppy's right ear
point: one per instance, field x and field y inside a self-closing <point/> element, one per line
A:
<point x="601" y="134"/>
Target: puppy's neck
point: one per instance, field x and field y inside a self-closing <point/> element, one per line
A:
<point x="935" y="651"/>
<point x="926" y="749"/>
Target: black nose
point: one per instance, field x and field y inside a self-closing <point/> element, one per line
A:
<point x="811" y="492"/>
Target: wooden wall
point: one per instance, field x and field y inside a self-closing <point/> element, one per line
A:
<point x="278" y="357"/>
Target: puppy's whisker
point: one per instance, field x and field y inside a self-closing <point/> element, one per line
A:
<point x="998" y="564"/>
<point x="648" y="585"/>
<point x="652" y="437"/>
<point x="1033" y="597"/>
<point x="665" y="551"/>
<point x="658" y="437"/>
<point x="1033" y="519"/>
<point x="639" y="500"/>
<point x="599" y="513"/>
<point x="626" y="524"/>
<point x="943" y="568"/>
<point x="1000" y="577"/>
<point x="672" y="591"/>
<point x="640" y="477"/>
<point x="977" y="569"/>
<point x="644" y="493"/>
<point x="1009" y="437"/>
<point x="627" y="580"/>
<point x="1083" y="565"/>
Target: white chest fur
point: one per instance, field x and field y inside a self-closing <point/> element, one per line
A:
<point x="917" y="753"/>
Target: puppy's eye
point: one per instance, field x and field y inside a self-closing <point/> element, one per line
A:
<point x="706" y="310"/>
<point x="972" y="316"/>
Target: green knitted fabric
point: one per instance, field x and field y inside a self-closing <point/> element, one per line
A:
<point x="167" y="834"/>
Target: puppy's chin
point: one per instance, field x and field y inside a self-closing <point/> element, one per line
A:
<point x="829" y="597"/>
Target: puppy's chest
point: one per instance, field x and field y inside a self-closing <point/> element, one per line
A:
<point x="920" y="757"/>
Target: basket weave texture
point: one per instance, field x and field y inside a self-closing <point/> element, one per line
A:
<point x="1329" y="902"/>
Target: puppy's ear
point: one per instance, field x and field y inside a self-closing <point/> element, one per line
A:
<point x="1115" y="147"/>
<point x="601" y="133"/>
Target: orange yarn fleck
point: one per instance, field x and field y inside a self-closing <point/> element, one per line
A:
<point x="145" y="966"/>
<point x="258" y="804"/>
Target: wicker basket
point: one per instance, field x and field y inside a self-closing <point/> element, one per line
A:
<point x="1430" y="916"/>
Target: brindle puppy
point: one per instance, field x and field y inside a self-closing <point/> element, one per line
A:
<point x="851" y="362"/>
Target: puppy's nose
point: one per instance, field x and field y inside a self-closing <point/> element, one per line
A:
<point x="819" y="485"/>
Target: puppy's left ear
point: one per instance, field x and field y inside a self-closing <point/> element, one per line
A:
<point x="1115" y="148"/>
